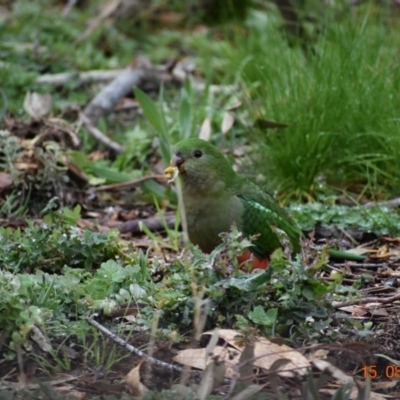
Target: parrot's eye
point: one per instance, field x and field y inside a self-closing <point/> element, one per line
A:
<point x="198" y="153"/>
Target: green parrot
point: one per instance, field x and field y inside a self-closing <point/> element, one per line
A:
<point x="215" y="197"/>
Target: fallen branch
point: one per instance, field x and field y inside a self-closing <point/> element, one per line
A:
<point x="109" y="9"/>
<point x="6" y="385"/>
<point x="97" y="76"/>
<point x="130" y="184"/>
<point x="106" y="99"/>
<point x="68" y="7"/>
<point x="360" y="265"/>
<point x="96" y="133"/>
<point x="154" y="224"/>
<point x="366" y="300"/>
<point x="133" y="349"/>
<point x="389" y="203"/>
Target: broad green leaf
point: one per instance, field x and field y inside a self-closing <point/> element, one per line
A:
<point x="151" y="112"/>
<point x="260" y="317"/>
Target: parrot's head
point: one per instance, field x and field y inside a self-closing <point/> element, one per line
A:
<point x="202" y="167"/>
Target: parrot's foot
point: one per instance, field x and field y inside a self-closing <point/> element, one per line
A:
<point x="256" y="263"/>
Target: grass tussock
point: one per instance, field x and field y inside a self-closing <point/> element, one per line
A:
<point x="340" y="100"/>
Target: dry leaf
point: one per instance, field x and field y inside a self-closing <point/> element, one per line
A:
<point x="133" y="381"/>
<point x="196" y="358"/>
<point x="320" y="354"/>
<point x="354" y="394"/>
<point x="38" y="105"/>
<point x="205" y="130"/>
<point x="40" y="339"/>
<point x="248" y="392"/>
<point x="213" y="377"/>
<point x="5" y="181"/>
<point x="235" y="105"/>
<point x="227" y="122"/>
<point x="246" y="369"/>
<point x="358" y="250"/>
<point x="329" y="368"/>
<point x="266" y="353"/>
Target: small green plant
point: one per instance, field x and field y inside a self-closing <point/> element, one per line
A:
<point x="100" y="352"/>
<point x="168" y="133"/>
<point x="54" y="243"/>
<point x="172" y="241"/>
<point x="379" y="220"/>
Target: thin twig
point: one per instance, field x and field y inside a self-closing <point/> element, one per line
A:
<point x="105" y="101"/>
<point x="133" y="349"/>
<point x="154" y="224"/>
<point x="359" y="265"/>
<point x="366" y="300"/>
<point x="68" y="7"/>
<point x="347" y="234"/>
<point x="4" y="385"/>
<point x="96" y="76"/>
<point x="99" y="135"/>
<point x="106" y="12"/>
<point x="130" y="184"/>
<point x="390" y="203"/>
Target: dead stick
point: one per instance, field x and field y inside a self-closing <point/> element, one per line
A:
<point x="104" y="102"/>
<point x="130" y="184"/>
<point x="133" y="349"/>
<point x="98" y="134"/>
<point x="366" y="300"/>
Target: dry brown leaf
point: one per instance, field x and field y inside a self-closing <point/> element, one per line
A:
<point x="213" y="377"/>
<point x="43" y="341"/>
<point x="359" y="311"/>
<point x="205" y="130"/>
<point x="229" y="335"/>
<point x="96" y="155"/>
<point x="381" y="252"/>
<point x="73" y="393"/>
<point x="358" y="250"/>
<point x="196" y="358"/>
<point x="379" y="312"/>
<point x="5" y="181"/>
<point x="329" y="368"/>
<point x="133" y="381"/>
<point x="248" y="392"/>
<point x="37" y="105"/>
<point x="354" y="394"/>
<point x="23" y="166"/>
<point x="236" y="104"/>
<point x="391" y="239"/>
<point x="227" y="122"/>
<point x="170" y="18"/>
<point x="384" y="385"/>
<point x="266" y="353"/>
<point x="320" y="354"/>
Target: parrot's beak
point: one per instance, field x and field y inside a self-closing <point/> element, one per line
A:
<point x="177" y="165"/>
<point x="177" y="160"/>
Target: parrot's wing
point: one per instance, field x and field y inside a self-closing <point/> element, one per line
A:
<point x="263" y="215"/>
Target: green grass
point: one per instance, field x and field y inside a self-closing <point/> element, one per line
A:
<point x="341" y="104"/>
<point x="340" y="101"/>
